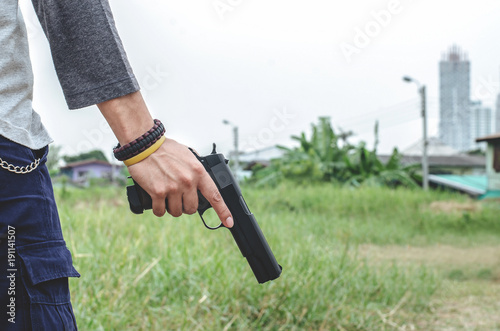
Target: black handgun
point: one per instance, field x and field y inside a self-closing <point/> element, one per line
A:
<point x="246" y="232"/>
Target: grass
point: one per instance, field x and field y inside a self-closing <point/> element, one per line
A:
<point x="144" y="273"/>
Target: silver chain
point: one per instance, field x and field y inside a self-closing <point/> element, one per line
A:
<point x="18" y="169"/>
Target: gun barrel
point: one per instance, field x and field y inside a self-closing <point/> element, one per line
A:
<point x="250" y="239"/>
<point x="246" y="231"/>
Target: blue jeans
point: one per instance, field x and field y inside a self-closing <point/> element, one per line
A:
<point x="34" y="261"/>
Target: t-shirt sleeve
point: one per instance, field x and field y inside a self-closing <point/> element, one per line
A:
<point x="88" y="55"/>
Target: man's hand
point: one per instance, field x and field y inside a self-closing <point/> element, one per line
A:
<point x="172" y="172"/>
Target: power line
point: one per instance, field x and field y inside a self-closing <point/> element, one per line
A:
<point x="389" y="115"/>
<point x="396" y="107"/>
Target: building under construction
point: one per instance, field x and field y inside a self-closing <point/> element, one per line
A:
<point x="454" y="100"/>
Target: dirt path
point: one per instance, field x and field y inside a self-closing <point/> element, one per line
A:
<point x="469" y="305"/>
<point x="469" y="298"/>
<point x="436" y="255"/>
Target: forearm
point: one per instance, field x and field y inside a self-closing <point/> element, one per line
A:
<point x="128" y="116"/>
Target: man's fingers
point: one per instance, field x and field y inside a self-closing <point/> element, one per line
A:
<point x="209" y="190"/>
<point x="159" y="207"/>
<point x="175" y="205"/>
<point x="190" y="202"/>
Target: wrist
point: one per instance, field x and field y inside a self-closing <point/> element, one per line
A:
<point x="140" y="144"/>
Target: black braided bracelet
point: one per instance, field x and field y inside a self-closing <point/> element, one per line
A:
<point x="140" y="144"/>
<point x="119" y="148"/>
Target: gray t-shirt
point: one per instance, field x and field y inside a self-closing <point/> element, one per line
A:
<point x="88" y="56"/>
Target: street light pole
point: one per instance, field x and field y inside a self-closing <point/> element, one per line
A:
<point x="423" y="107"/>
<point x="236" y="156"/>
<point x="425" y="159"/>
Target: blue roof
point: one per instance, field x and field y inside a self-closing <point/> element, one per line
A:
<point x="472" y="185"/>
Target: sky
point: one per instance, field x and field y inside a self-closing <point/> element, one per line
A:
<point x="272" y="68"/>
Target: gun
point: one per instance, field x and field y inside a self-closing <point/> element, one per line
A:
<point x="246" y="232"/>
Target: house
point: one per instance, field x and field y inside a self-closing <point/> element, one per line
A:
<point x="448" y="168"/>
<point x="262" y="157"/>
<point x="492" y="164"/>
<point x="81" y="171"/>
<point x="477" y="186"/>
<point x="442" y="159"/>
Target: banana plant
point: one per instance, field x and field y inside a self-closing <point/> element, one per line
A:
<point x="328" y="156"/>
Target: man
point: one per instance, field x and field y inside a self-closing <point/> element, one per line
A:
<point x="92" y="68"/>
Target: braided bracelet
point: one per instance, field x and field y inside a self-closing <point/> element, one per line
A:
<point x="140" y="144"/>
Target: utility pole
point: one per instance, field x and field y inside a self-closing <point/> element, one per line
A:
<point x="425" y="159"/>
<point x="425" y="143"/>
<point x="236" y="153"/>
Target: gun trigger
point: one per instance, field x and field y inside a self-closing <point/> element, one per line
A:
<point x="209" y="227"/>
<point x="213" y="149"/>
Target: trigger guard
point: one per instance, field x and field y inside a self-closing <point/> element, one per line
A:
<point x="210" y="227"/>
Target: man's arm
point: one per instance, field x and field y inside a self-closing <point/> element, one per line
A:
<point x="92" y="68"/>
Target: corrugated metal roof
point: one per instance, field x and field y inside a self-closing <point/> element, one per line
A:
<point x="472" y="185"/>
<point x="86" y="162"/>
<point x="265" y="154"/>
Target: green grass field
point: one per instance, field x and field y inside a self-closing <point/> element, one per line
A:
<point x="353" y="259"/>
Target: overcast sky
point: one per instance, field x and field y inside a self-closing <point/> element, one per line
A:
<point x="273" y="67"/>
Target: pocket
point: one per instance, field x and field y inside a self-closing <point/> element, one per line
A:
<point x="45" y="268"/>
<point x="16" y="155"/>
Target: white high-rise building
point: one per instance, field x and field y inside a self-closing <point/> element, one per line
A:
<point x="454" y="100"/>
<point x="481" y="122"/>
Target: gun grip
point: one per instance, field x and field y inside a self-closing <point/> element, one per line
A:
<point x="139" y="200"/>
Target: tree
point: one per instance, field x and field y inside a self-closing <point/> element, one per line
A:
<point x="364" y="167"/>
<point x="94" y="154"/>
<point x="53" y="157"/>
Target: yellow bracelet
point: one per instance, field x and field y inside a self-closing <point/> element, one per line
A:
<point x="142" y="155"/>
